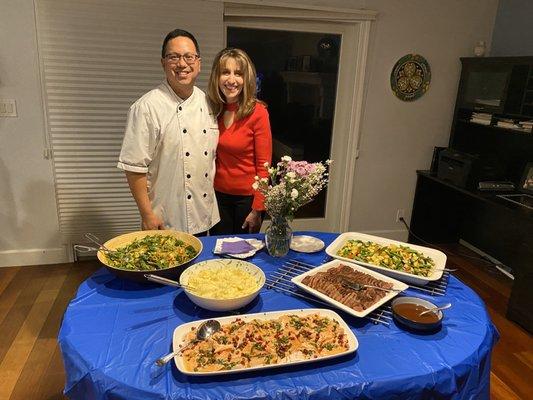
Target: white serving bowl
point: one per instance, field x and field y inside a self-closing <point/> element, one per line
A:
<point x="223" y="304"/>
<point x="438" y="257"/>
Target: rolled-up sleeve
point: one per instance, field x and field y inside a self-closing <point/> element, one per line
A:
<point x="139" y="141"/>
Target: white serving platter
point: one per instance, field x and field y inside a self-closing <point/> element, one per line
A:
<point x="306" y="244"/>
<point x="438" y="256"/>
<point x="181" y="331"/>
<point x="297" y="280"/>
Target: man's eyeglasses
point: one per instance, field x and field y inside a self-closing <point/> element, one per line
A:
<point x="189" y="58"/>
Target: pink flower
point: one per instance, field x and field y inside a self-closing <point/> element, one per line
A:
<point x="290" y="185"/>
<point x="302" y="168"/>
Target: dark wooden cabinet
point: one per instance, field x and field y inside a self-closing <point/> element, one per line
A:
<point x="502" y="86"/>
<point x="501" y="89"/>
<point x="444" y="213"/>
<point x="491" y="123"/>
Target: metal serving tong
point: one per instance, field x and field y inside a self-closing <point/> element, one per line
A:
<point x="95" y="240"/>
<point x="359" y="286"/>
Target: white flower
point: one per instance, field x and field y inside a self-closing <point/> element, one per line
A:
<point x="266" y="164"/>
<point x="255" y="185"/>
<point x="294" y="194"/>
<point x="286" y="190"/>
<point x="256" y="178"/>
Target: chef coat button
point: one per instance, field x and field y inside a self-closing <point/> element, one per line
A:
<point x="187" y="154"/>
<point x="206" y="174"/>
<point x="205" y="152"/>
<point x="205" y="131"/>
<point x="205" y="194"/>
<point x="189" y="196"/>
<point x="189" y="176"/>
<point x="179" y="108"/>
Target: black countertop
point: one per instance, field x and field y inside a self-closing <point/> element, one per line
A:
<point x="485" y="195"/>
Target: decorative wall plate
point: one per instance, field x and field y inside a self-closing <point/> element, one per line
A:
<point x="410" y="77"/>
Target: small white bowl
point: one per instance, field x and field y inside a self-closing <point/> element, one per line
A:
<point x="223" y="304"/>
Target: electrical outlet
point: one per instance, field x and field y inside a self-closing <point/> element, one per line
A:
<point x="8" y="108"/>
<point x="399" y="214"/>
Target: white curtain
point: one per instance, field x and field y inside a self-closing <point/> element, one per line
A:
<point x="96" y="58"/>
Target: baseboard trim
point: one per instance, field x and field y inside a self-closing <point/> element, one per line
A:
<point x="16" y="258"/>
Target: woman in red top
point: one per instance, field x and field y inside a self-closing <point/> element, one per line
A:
<point x="245" y="142"/>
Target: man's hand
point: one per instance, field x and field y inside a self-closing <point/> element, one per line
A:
<point x="152" y="222"/>
<point x="252" y="222"/>
<point x="138" y="185"/>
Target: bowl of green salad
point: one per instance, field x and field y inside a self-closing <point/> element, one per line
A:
<point x="165" y="253"/>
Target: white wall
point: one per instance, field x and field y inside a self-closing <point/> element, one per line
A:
<point x="513" y="30"/>
<point x="29" y="232"/>
<point x="396" y="138"/>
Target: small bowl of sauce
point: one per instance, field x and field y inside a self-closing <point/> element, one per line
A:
<point x="406" y="311"/>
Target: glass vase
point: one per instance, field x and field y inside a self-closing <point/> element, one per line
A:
<point x="278" y="237"/>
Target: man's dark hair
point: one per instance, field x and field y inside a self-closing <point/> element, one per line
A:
<point x="174" y="34"/>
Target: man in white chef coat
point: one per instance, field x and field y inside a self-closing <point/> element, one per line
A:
<point x="168" y="152"/>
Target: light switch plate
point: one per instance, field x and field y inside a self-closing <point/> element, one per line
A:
<point x="8" y="108"/>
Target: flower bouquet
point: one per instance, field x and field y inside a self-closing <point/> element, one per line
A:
<point x="290" y="185"/>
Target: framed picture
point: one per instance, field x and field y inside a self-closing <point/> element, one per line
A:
<point x="526" y="184"/>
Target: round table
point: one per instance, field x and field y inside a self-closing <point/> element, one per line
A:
<point x="114" y="330"/>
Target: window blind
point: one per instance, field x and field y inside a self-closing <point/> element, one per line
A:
<point x="96" y="58"/>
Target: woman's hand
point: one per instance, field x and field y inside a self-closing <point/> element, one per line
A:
<point x="252" y="222"/>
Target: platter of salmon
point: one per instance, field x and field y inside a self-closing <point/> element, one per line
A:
<point x="263" y="340"/>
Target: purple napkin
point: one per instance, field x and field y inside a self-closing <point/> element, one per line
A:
<point x="241" y="246"/>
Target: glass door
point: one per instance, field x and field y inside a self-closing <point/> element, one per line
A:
<point x="297" y="75"/>
<point x="311" y="78"/>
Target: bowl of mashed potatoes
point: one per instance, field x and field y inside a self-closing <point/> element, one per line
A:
<point x="222" y="284"/>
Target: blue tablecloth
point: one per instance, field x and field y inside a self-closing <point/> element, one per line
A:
<point x="114" y="330"/>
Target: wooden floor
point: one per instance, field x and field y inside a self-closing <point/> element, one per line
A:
<point x="33" y="299"/>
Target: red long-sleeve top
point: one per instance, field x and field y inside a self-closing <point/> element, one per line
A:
<point x="243" y="148"/>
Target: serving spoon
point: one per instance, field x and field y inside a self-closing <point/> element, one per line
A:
<point x="444" y="307"/>
<point x="359" y="286"/>
<point x="168" y="282"/>
<point x="204" y="331"/>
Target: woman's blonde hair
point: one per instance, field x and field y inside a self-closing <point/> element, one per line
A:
<point x="247" y="98"/>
